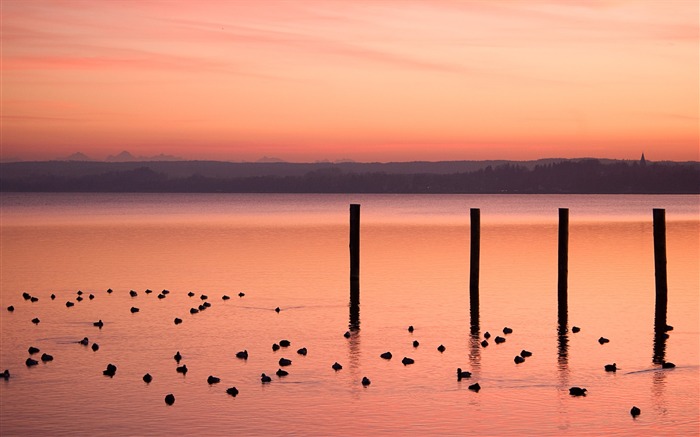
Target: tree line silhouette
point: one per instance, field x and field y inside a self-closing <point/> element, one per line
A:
<point x="588" y="176"/>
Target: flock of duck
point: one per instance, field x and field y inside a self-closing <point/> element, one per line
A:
<point x="111" y="369"/>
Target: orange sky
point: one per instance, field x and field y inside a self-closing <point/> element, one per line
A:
<point x="364" y="80"/>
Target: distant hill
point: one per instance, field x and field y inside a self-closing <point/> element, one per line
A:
<point x="125" y="156"/>
<point x="78" y="156"/>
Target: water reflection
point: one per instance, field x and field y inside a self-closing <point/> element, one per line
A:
<point x="354" y="324"/>
<point x="563" y="339"/>
<point x="474" y="343"/>
<point x="660" y="331"/>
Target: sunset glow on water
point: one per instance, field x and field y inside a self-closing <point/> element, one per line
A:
<point x="291" y="252"/>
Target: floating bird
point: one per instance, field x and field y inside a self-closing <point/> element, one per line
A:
<point x="525" y="354"/>
<point x="281" y="373"/>
<point x="148" y="291"/>
<point x="475" y="387"/>
<point x="165" y="291"/>
<point x="91" y="296"/>
<point x="242" y="354"/>
<point x="134" y="310"/>
<point x="667" y="365"/>
<point x="30" y="362"/>
<point x="36" y="320"/>
<point x="182" y="369"/>
<point x="406" y="361"/>
<point x="507" y="330"/>
<point x="285" y="362"/>
<point x="415" y="343"/>
<point x="635" y="411"/>
<point x="190" y="294"/>
<point x="26" y="296"/>
<point x="213" y="380"/>
<point x="204" y="297"/>
<point x="32" y="350"/>
<point x="347" y="334"/>
<point x="194" y="310"/>
<point x="147" y="378"/>
<point x="79" y="298"/>
<point x="233" y="391"/>
<point x="5" y="375"/>
<point x="277" y="310"/>
<point x="206" y="304"/>
<point x="302" y="351"/>
<point x="285" y="343"/>
<point x="386" y="355"/>
<point x="132" y="293"/>
<point x="484" y="343"/>
<point x="178" y="320"/>
<point x="109" y="291"/>
<point x="499" y="339"/>
<point x="110" y="371"/>
<point x="241" y="294"/>
<point x="170" y="399"/>
<point x="441" y="348"/>
<point x="366" y="381"/>
<point x="225" y="297"/>
<point x="462" y="374"/>
<point x="34" y="299"/>
<point x="410" y="328"/>
<point x="161" y="296"/>
<point x="84" y="341"/>
<point x="275" y="346"/>
<point x="10" y="308"/>
<point x="95" y="347"/>
<point x="611" y="367"/>
<point x="487" y="335"/>
<point x="518" y="359"/>
<point x="202" y="308"/>
<point x="46" y="357"/>
<point x="69" y="304"/>
<point x="668" y="328"/>
<point x="603" y="340"/>
<point x="336" y="366"/>
<point x="577" y="391"/>
<point x="53" y="296"/>
<point x="79" y="292"/>
<point x="264" y="378"/>
<point x="99" y="324"/>
<point x="177" y="357"/>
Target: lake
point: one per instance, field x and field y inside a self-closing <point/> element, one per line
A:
<point x="291" y="252"/>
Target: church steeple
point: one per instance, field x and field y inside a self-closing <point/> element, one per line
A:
<point x="642" y="161"/>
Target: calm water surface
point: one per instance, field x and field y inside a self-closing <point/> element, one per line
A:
<point x="291" y="251"/>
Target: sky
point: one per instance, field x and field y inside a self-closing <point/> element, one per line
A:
<point x="380" y="80"/>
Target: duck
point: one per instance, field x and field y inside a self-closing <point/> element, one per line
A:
<point x="281" y="373"/>
<point x="366" y="381"/>
<point x="79" y="292"/>
<point x="31" y="362"/>
<point x="285" y="362"/>
<point x="147" y="378"/>
<point x="161" y="296"/>
<point x="84" y="341"/>
<point x="5" y="375"/>
<point x="110" y="370"/>
<point x="410" y="328"/>
<point x="206" y="304"/>
<point x="275" y="347"/>
<point x="635" y="411"/>
<point x="46" y="357"/>
<point x="194" y="310"/>
<point x="148" y="291"/>
<point x="415" y="343"/>
<point x="182" y="369"/>
<point x="26" y="296"/>
<point x="233" y="391"/>
<point x="525" y="354"/>
<point x="109" y="291"/>
<point x="134" y="310"/>
<point x="603" y="340"/>
<point x="386" y="355"/>
<point x="32" y="350"/>
<point x="225" y="297"/>
<point x="264" y="378"/>
<point x="79" y="298"/>
<point x="277" y="310"/>
<point x="302" y="351"/>
<point x="475" y="387"/>
<point x="165" y="291"/>
<point x="10" y="308"/>
<point x="507" y="330"/>
<point x="204" y="297"/>
<point x="499" y="339"/>
<point x="170" y="399"/>
<point x="177" y="356"/>
<point x="69" y="304"/>
<point x="213" y="380"/>
<point x="337" y="366"/>
<point x="132" y="293"/>
<point x="95" y="347"/>
<point x="462" y="374"/>
<point x="285" y="343"/>
<point x="36" y="320"/>
<point x="611" y="367"/>
<point x="347" y="334"/>
<point x="667" y="365"/>
<point x="406" y="361"/>
<point x="202" y="308"/>
<point x="241" y="294"/>
<point x="487" y="335"/>
<point x="518" y="359"/>
<point x="98" y="323"/>
<point x="577" y="391"/>
<point x="53" y="296"/>
<point x="242" y="354"/>
<point x="91" y="296"/>
<point x="484" y="343"/>
<point x="190" y="294"/>
<point x="441" y="348"/>
<point x="178" y="320"/>
<point x="34" y="299"/>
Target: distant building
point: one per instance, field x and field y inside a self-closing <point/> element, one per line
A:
<point x="642" y="161"/>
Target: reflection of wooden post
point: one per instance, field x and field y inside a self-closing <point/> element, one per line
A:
<point x="475" y="215"/>
<point x="660" y="258"/>
<point x="563" y="257"/>
<point x="354" y="242"/>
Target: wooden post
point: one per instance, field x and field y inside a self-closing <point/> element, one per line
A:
<point x="354" y="242"/>
<point x="475" y="216"/>
<point x="660" y="258"/>
<point x="563" y="283"/>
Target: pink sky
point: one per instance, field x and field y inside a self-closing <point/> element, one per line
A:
<point x="364" y="80"/>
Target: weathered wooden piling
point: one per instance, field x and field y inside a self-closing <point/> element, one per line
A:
<point x="562" y="282"/>
<point x="660" y="259"/>
<point x="474" y="254"/>
<point x="354" y="242"/>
